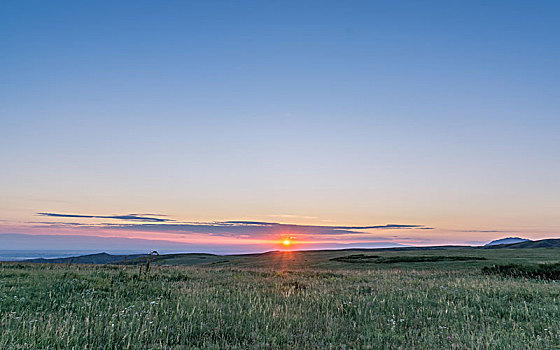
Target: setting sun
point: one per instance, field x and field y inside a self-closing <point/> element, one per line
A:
<point x="286" y="242"/>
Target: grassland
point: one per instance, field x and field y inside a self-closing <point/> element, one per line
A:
<point x="283" y="300"/>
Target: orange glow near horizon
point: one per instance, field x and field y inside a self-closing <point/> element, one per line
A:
<point x="290" y="240"/>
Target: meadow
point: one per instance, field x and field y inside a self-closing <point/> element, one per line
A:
<point x="283" y="300"/>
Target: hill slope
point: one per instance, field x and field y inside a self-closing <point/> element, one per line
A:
<point x="508" y="240"/>
<point x="99" y="258"/>
<point x="543" y="243"/>
<point x="294" y="259"/>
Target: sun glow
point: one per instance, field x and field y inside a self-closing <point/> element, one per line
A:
<point x="286" y="243"/>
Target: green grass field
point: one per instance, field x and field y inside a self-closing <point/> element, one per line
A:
<point x="298" y="300"/>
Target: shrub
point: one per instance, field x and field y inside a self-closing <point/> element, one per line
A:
<point x="541" y="271"/>
<point x="362" y="258"/>
<point x="356" y="258"/>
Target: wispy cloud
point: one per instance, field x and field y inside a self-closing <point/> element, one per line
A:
<point x="261" y="229"/>
<point x="158" y="226"/>
<point x="385" y="227"/>
<point x="131" y="217"/>
<point x="234" y="228"/>
<point x="60" y="223"/>
<point x="291" y="216"/>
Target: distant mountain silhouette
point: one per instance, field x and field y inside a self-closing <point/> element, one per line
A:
<point x="508" y="240"/>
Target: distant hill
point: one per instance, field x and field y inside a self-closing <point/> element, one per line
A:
<point x="543" y="243"/>
<point x="99" y="258"/>
<point x="508" y="240"/>
<point x="182" y="259"/>
<point x="298" y="259"/>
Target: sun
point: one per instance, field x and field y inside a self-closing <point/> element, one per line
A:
<point x="286" y="242"/>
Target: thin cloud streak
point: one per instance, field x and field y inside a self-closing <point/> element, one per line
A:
<point x="158" y="227"/>
<point x="242" y="229"/>
<point x="132" y="217"/>
<point x="257" y="229"/>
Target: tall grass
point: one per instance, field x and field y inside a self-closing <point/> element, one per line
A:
<point x="103" y="307"/>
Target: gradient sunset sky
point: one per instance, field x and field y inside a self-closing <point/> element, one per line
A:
<point x="230" y="126"/>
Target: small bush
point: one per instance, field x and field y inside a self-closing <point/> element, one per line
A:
<point x="434" y="258"/>
<point x="541" y="271"/>
<point x="356" y="258"/>
<point x="362" y="258"/>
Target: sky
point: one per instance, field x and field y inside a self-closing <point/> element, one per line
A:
<point x="231" y="126"/>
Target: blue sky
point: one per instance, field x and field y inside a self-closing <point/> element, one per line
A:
<point x="436" y="113"/>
